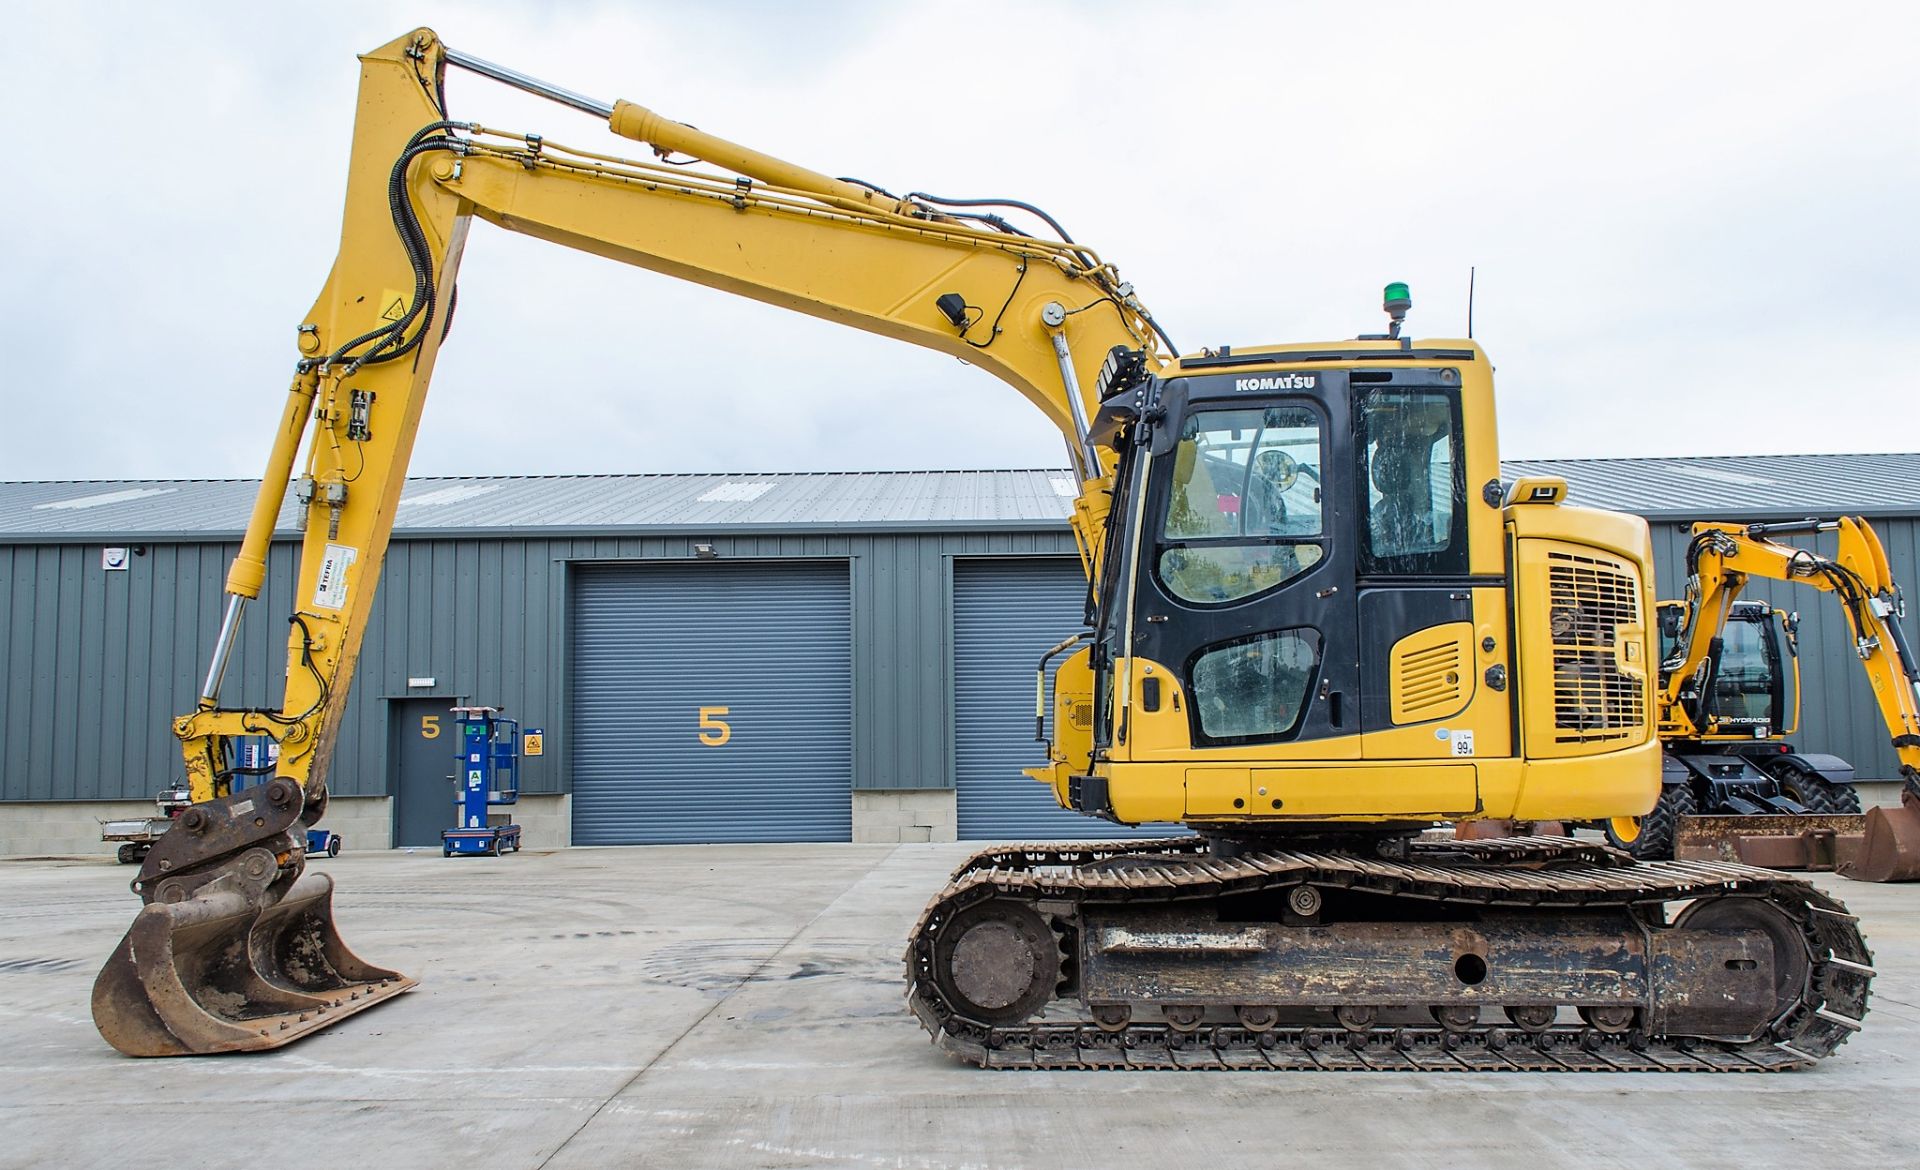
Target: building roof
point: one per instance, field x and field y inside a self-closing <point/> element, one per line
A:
<point x="549" y="504"/>
<point x="1738" y="487"/>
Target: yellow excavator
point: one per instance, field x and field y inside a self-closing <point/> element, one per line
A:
<point x="1729" y="694"/>
<point x="1320" y="623"/>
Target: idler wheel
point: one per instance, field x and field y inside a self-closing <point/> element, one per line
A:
<point x="1112" y="1017"/>
<point x="1356" y="1018"/>
<point x="1457" y="1018"/>
<point x="1791" y="965"/>
<point x="1183" y="1017"/>
<point x="998" y="962"/>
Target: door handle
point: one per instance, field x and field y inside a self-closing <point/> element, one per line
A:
<point x="1332" y="699"/>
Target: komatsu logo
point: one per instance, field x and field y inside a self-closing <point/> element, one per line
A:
<point x="1279" y="382"/>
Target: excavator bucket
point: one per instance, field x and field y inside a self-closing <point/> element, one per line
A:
<point x="1890" y="851"/>
<point x="215" y="973"/>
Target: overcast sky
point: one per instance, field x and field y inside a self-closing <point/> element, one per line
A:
<point x="1694" y="224"/>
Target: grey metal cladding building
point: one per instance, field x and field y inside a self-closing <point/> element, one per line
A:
<point x="830" y="645"/>
<point x="849" y="656"/>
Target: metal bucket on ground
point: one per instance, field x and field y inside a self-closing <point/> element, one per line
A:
<point x="236" y="949"/>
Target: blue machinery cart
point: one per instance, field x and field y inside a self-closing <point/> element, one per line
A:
<point x="489" y="775"/>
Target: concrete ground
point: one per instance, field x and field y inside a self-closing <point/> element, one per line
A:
<point x="741" y="1007"/>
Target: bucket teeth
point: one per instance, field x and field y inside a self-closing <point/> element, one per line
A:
<point x="217" y="974"/>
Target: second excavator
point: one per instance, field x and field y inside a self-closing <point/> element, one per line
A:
<point x="1319" y="623"/>
<point x="1732" y="786"/>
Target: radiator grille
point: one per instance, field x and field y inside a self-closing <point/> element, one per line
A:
<point x="1589" y="600"/>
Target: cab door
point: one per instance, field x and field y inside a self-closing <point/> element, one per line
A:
<point x="1245" y="587"/>
<point x="1433" y="633"/>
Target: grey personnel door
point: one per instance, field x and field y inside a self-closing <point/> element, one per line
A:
<point x="422" y="742"/>
<point x="711" y="702"/>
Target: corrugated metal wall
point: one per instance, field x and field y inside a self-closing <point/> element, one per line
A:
<point x="98" y="663"/>
<point x="1837" y="711"/>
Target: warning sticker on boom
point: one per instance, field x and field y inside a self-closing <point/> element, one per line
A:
<point x="330" y="590"/>
<point x="393" y="304"/>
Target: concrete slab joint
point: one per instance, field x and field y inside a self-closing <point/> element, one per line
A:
<point x="927" y="814"/>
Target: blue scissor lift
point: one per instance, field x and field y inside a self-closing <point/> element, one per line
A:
<point x="489" y="775"/>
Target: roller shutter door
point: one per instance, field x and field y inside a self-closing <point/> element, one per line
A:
<point x="655" y="644"/>
<point x="1005" y="615"/>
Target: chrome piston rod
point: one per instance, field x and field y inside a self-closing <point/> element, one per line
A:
<point x="222" y="650"/>
<point x="1087" y="460"/>
<point x="532" y="85"/>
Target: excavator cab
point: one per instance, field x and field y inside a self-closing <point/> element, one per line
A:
<point x="1750" y="688"/>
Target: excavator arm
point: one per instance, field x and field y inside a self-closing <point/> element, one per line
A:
<point x="1043" y="315"/>
<point x="1721" y="560"/>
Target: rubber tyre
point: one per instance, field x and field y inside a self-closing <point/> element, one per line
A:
<point x="333" y="845"/>
<point x="1818" y="793"/>
<point x="1655" y="842"/>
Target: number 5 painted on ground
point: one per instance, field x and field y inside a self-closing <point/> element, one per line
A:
<point x="714" y="730"/>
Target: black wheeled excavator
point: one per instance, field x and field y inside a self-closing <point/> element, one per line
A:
<point x="1320" y="623"/>
<point x="1733" y="787"/>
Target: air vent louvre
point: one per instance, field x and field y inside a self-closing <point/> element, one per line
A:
<point x="1430" y="673"/>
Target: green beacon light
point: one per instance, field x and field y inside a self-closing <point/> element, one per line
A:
<point x="1396" y="300"/>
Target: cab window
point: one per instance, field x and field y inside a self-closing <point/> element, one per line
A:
<point x="1244" y="505"/>
<point x="1255" y="688"/>
<point x="1415" y="477"/>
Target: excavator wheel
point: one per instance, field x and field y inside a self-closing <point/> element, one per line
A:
<point x="1818" y="793"/>
<point x="1650" y="838"/>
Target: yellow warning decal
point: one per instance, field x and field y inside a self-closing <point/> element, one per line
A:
<point x="393" y="304"/>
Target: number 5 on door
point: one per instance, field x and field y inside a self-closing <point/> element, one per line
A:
<point x="714" y="730"/>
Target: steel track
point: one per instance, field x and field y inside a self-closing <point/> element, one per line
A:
<point x="1540" y="874"/>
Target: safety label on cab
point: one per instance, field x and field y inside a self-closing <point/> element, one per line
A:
<point x="1461" y="742"/>
<point x="330" y="588"/>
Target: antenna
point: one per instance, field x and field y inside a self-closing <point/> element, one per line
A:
<point x="1471" y="272"/>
